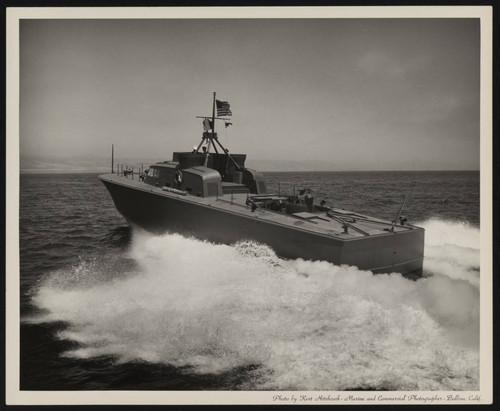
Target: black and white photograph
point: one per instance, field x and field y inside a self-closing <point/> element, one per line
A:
<point x="249" y="205"/>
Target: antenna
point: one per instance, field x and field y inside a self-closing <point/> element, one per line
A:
<point x="400" y="209"/>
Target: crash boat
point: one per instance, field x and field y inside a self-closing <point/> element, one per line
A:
<point x="210" y="194"/>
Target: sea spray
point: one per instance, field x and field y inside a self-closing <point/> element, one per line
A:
<point x="452" y="250"/>
<point x="300" y="325"/>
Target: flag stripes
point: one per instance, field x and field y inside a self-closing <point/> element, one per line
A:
<point x="223" y="108"/>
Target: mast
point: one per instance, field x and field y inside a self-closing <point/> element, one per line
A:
<point x="212" y="137"/>
<point x="213" y="117"/>
<point x="213" y="132"/>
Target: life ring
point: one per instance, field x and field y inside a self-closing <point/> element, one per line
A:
<point x="178" y="177"/>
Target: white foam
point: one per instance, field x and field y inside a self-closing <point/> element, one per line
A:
<point x="305" y="325"/>
<point x="452" y="249"/>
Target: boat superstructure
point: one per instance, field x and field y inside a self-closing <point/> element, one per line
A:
<point x="210" y="194"/>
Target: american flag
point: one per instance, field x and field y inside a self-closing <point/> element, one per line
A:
<point x="223" y="108"/>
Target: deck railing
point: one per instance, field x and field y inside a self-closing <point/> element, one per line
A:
<point x="129" y="171"/>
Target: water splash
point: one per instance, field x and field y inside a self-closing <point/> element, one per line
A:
<point x="299" y="325"/>
<point x="452" y="250"/>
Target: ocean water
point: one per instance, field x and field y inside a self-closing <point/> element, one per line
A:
<point x="105" y="306"/>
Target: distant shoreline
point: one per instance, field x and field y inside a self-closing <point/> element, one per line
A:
<point x="28" y="172"/>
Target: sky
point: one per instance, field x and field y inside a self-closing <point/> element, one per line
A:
<point x="335" y="94"/>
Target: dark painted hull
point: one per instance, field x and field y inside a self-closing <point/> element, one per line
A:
<point x="157" y="212"/>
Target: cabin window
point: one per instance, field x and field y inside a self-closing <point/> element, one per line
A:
<point x="156" y="172"/>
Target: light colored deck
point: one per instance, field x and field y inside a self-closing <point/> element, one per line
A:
<point x="317" y="222"/>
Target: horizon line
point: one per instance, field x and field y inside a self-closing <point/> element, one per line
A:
<point x="21" y="172"/>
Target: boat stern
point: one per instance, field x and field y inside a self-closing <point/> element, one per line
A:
<point x="400" y="251"/>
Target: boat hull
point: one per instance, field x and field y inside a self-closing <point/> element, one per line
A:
<point x="157" y="212"/>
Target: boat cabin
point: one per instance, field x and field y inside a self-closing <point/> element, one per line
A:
<point x="206" y="174"/>
<point x="187" y="172"/>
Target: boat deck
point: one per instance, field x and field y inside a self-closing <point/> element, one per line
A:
<point x="334" y="223"/>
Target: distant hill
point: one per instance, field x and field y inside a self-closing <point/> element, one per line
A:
<point x="95" y="164"/>
<point x="81" y="164"/>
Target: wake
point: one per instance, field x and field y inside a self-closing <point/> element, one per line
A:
<point x="300" y="325"/>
